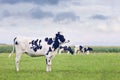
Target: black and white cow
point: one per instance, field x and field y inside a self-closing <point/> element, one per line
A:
<point x="38" y="47"/>
<point x="67" y="49"/>
<point x="83" y="49"/>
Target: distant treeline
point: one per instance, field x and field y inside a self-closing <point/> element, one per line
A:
<point x="5" y="48"/>
<point x="96" y="49"/>
<point x="106" y="49"/>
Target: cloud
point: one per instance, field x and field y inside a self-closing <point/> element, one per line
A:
<point x="110" y="25"/>
<point x="37" y="13"/>
<point x="42" y="2"/>
<point x="66" y="17"/>
<point x="6" y="13"/>
<point x="27" y="12"/>
<point x="99" y="17"/>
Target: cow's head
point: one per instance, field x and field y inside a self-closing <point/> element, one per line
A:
<point x="59" y="39"/>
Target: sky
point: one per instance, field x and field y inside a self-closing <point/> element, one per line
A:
<point x="83" y="22"/>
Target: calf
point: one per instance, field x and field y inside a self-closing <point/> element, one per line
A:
<point x="38" y="47"/>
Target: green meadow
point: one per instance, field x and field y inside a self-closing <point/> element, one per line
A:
<point x="100" y="66"/>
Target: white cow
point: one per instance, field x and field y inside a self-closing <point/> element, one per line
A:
<point x="38" y="47"/>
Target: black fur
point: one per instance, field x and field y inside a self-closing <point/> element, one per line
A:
<point x="36" y="44"/>
<point x="49" y="40"/>
<point x="15" y="42"/>
<point x="58" y="38"/>
<point x="67" y="48"/>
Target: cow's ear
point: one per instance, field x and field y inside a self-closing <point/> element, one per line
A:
<point x="57" y="35"/>
<point x="46" y="39"/>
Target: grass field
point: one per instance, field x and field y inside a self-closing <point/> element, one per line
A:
<point x="65" y="67"/>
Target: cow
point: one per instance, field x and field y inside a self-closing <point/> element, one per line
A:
<point x="83" y="49"/>
<point x="67" y="49"/>
<point x="38" y="47"/>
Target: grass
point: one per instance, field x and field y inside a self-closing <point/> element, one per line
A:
<point x="65" y="67"/>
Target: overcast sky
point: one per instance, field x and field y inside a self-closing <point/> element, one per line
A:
<point x="84" y="22"/>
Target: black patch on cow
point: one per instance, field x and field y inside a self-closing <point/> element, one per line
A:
<point x="70" y="50"/>
<point x="90" y="49"/>
<point x="66" y="48"/>
<point x="49" y="61"/>
<point x="50" y="49"/>
<point x="61" y="38"/>
<point x="80" y="48"/>
<point x="58" y="38"/>
<point x="15" y="42"/>
<point x="56" y="44"/>
<point x="46" y="61"/>
<point x="49" y="40"/>
<point x="60" y="47"/>
<point x="84" y="49"/>
<point x="36" y="44"/>
<point x="46" y="39"/>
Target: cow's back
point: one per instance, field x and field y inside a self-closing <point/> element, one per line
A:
<point x="27" y="45"/>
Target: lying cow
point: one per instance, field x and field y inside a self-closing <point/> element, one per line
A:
<point x="67" y="49"/>
<point x="38" y="47"/>
<point x="83" y="49"/>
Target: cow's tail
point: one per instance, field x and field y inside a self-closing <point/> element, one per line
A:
<point x="13" y="49"/>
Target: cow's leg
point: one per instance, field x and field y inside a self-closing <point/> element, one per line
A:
<point x="87" y="52"/>
<point x="48" y="64"/>
<point x="17" y="59"/>
<point x="68" y="52"/>
<point x="60" y="51"/>
<point x="75" y="52"/>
